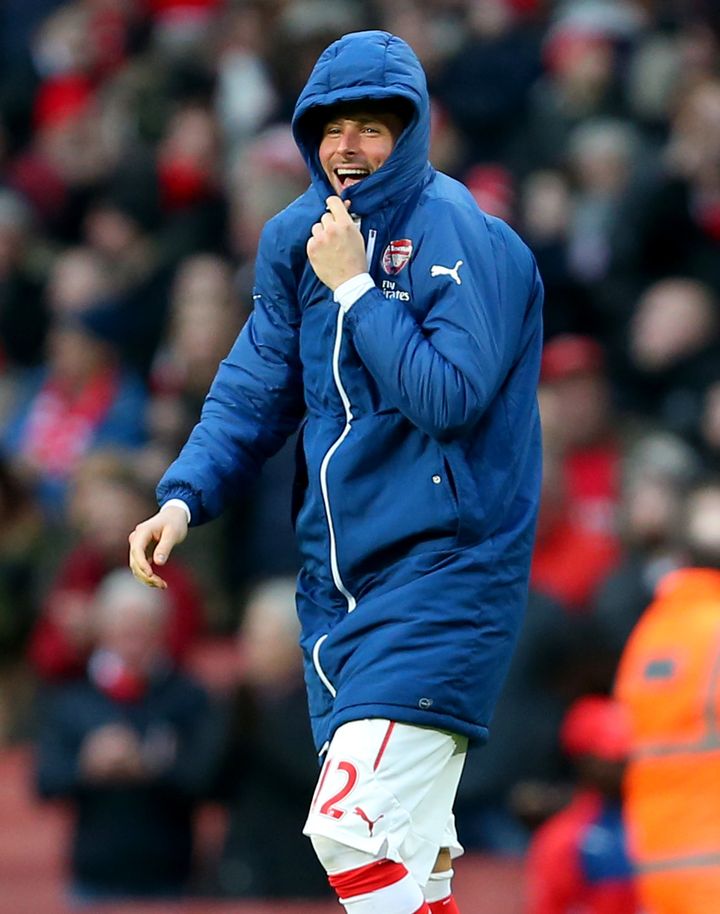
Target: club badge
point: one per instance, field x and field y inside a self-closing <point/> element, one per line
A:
<point x="396" y="256"/>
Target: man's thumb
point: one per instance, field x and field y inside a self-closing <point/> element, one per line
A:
<point x="163" y="548"/>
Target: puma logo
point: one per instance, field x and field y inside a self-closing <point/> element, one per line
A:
<point x="369" y="822"/>
<point x="438" y="270"/>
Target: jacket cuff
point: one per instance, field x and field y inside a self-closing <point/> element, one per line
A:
<point x="183" y="493"/>
<point x="372" y="299"/>
<point x="348" y="292"/>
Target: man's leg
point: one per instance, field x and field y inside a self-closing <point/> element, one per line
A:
<point x="438" y="891"/>
<point x="365" y="885"/>
<point x="383" y="798"/>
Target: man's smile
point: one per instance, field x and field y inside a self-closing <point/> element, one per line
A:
<point x="349" y="175"/>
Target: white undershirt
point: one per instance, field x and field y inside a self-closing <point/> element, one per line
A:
<point x="178" y="503"/>
<point x="348" y="292"/>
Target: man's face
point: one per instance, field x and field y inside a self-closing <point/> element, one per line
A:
<point x="354" y="144"/>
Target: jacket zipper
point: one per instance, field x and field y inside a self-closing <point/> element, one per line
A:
<point x="337" y="577"/>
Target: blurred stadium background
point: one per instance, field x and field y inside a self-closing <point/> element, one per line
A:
<point x="143" y="144"/>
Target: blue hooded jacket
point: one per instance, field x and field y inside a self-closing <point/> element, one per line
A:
<point x="419" y="456"/>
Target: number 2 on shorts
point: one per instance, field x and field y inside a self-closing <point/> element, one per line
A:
<point x="330" y="806"/>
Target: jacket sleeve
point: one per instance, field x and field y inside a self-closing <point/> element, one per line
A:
<point x="442" y="374"/>
<point x="255" y="401"/>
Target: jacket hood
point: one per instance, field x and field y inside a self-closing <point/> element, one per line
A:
<point x="368" y="65"/>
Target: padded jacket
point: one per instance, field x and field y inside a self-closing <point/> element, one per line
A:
<point x="419" y="457"/>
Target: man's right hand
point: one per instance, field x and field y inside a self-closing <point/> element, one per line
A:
<point x="167" y="528"/>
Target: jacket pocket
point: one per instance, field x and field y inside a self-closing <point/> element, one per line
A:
<point x="462" y="490"/>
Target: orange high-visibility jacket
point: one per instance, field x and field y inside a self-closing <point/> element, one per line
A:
<point x="669" y="679"/>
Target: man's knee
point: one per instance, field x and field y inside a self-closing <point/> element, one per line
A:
<point x="338" y="858"/>
<point x="443" y="862"/>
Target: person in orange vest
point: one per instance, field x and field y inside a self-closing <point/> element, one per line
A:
<point x="577" y="862"/>
<point x="669" y="681"/>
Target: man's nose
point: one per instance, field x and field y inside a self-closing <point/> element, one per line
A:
<point x="348" y="142"/>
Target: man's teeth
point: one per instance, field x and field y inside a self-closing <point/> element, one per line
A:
<point x="351" y="172"/>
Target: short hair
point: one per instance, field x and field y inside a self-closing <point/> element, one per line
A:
<point x="120" y="588"/>
<point x="317" y="118"/>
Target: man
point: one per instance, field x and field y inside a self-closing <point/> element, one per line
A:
<point x="133" y="748"/>
<point x="578" y="863"/>
<point x="669" y="681"/>
<point x="410" y="337"/>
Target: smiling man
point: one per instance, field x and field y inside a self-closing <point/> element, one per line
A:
<point x="356" y="140"/>
<point x="399" y="328"/>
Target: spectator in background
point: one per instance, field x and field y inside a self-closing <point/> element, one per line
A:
<point x="23" y="318"/>
<point x="601" y="161"/>
<point x="22" y="546"/>
<point x="578" y="862"/>
<point x="570" y="558"/>
<point x="271" y="764"/>
<point x="485" y="84"/>
<point x="545" y="216"/>
<point x="68" y="157"/>
<point x="549" y="669"/>
<point x="245" y="97"/>
<point x="581" y="77"/>
<point x="671" y="225"/>
<point x="132" y="748"/>
<point x="577" y="542"/>
<point x="81" y="400"/>
<point x="657" y="473"/>
<point x="673" y="354"/>
<point x="105" y="498"/>
<point x="205" y="317"/>
<point x="709" y="430"/>
<point x="668" y="682"/>
<point x="579" y="420"/>
<point x="77" y="282"/>
<point x="264" y="178"/>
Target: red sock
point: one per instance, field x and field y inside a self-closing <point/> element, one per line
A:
<point x="444" y="906"/>
<point x="424" y="909"/>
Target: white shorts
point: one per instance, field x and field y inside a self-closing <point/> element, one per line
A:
<point x="387" y="789"/>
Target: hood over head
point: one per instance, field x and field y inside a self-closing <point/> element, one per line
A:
<point x="376" y="66"/>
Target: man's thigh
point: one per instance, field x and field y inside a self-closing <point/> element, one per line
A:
<point x="387" y="789"/>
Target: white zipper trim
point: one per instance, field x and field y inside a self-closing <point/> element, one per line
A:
<point x="321" y="673"/>
<point x="351" y="601"/>
<point x="334" y="567"/>
<point x="372" y="236"/>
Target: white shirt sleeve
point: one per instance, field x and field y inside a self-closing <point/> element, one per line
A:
<point x="348" y="292"/>
<point x="178" y="503"/>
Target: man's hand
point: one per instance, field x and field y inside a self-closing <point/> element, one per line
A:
<point x="336" y="250"/>
<point x="167" y="528"/>
<point x="111" y="754"/>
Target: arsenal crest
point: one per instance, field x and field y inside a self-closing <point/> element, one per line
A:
<point x="396" y="256"/>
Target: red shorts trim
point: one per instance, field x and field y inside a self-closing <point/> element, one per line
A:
<point x="383" y="746"/>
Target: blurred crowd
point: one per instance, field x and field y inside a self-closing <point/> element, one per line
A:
<point x="143" y="144"/>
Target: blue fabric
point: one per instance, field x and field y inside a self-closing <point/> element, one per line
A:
<point x="603" y="848"/>
<point x="432" y="490"/>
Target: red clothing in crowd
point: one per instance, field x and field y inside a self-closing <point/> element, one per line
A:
<point x="53" y="654"/>
<point x="577" y="862"/>
<point x="570" y="561"/>
<point x="592" y="476"/>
